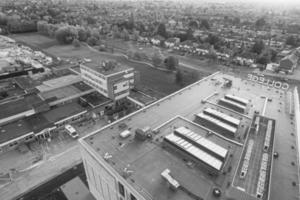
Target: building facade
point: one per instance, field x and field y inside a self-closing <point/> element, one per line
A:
<point x="112" y="83"/>
<point x="104" y="182"/>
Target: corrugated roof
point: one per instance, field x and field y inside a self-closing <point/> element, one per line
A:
<point x="194" y="151"/>
<point x="217" y="122"/>
<point x="203" y="141"/>
<point x="223" y="115"/>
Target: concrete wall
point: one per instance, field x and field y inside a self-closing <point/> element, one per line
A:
<point x="297" y="120"/>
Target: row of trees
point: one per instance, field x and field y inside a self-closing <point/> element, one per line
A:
<point x="66" y="34"/>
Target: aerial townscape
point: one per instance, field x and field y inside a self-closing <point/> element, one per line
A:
<point x="149" y="100"/>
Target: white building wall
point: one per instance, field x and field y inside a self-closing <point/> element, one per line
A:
<point x="121" y="86"/>
<point x="102" y="184"/>
<point x="297" y="119"/>
<point x="94" y="79"/>
<point x="103" y="179"/>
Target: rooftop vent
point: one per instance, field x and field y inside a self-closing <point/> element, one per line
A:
<point x="107" y="156"/>
<point x="173" y="184"/>
<point x="108" y="65"/>
<point x="127" y="172"/>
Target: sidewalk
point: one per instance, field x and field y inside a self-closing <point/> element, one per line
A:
<point x="41" y="173"/>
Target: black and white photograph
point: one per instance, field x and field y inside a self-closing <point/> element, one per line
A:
<point x="149" y="99"/>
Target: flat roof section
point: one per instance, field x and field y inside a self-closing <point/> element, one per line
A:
<point x="66" y="92"/>
<point x="38" y="122"/>
<point x="58" y="82"/>
<point x="97" y="67"/>
<point x="14" y="130"/>
<point x="75" y="189"/>
<point x="95" y="99"/>
<point x="63" y="111"/>
<point x="153" y="159"/>
<point x="23" y="104"/>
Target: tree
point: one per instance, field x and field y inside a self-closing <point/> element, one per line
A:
<point x="273" y="55"/>
<point x="171" y="62"/>
<point x="264" y="59"/>
<point x="92" y="41"/>
<point x="82" y="35"/>
<point x="260" y="23"/>
<point x="236" y="21"/>
<point x="193" y="24"/>
<point x="135" y="35"/>
<point x="42" y="27"/>
<point x="157" y="58"/>
<point x="205" y="24"/>
<point x="91" y="20"/>
<point x="161" y="30"/>
<point x="95" y="33"/>
<point x="292" y="40"/>
<point x="66" y="34"/>
<point x="125" y="34"/>
<point x="76" y="43"/>
<point x="190" y="34"/>
<point x="258" y="47"/>
<point x="178" y="77"/>
<point x="212" y="39"/>
<point x="3" y="19"/>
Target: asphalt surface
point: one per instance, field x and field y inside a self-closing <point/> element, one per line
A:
<point x="42" y="191"/>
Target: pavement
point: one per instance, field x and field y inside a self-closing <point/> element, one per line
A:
<point x="55" y="157"/>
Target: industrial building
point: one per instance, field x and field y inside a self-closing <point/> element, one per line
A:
<point x="178" y="158"/>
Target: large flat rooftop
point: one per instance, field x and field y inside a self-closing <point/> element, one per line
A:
<point x="149" y="159"/>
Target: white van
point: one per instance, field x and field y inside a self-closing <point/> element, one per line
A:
<point x="71" y="131"/>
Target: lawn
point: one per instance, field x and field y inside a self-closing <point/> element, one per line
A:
<point x="35" y="39"/>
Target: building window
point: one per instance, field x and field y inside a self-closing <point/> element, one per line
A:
<point x="121" y="189"/>
<point x="132" y="197"/>
<point x="115" y="87"/>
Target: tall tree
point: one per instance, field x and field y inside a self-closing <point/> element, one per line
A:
<point x="205" y="24"/>
<point x="161" y="30"/>
<point x="171" y="62"/>
<point x="260" y="23"/>
<point x="66" y="34"/>
<point x="258" y="47"/>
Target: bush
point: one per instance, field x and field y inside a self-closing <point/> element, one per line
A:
<point x="82" y="35"/>
<point x="171" y="62"/>
<point x="66" y="34"/>
<point x="76" y="43"/>
<point x="92" y="41"/>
